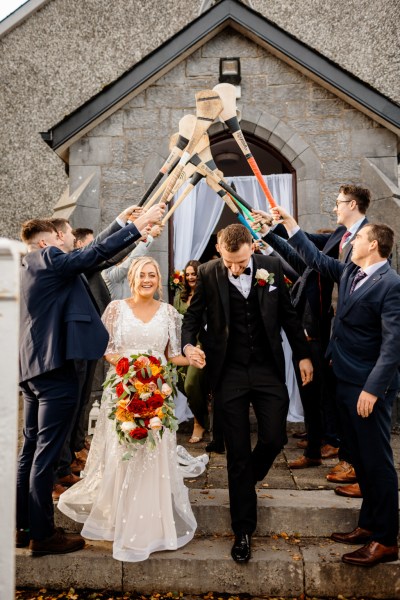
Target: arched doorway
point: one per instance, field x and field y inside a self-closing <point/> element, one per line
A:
<point x="230" y="160"/>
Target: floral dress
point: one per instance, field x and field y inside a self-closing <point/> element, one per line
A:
<point x="140" y="504"/>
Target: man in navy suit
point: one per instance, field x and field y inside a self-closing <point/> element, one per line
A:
<point x="365" y="354"/>
<point x="350" y="208"/>
<point x="59" y="324"/>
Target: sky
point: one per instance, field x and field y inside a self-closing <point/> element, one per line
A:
<point x="8" y="6"/>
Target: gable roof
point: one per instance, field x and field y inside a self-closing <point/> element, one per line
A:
<point x="226" y="13"/>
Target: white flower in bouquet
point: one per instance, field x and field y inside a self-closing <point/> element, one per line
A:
<point x="166" y="389"/>
<point x="127" y="426"/>
<point x="155" y="423"/>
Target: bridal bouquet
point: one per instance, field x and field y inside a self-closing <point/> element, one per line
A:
<point x="142" y="405"/>
<point x="176" y="280"/>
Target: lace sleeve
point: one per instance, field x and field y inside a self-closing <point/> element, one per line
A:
<point x="174" y="332"/>
<point x="111" y="320"/>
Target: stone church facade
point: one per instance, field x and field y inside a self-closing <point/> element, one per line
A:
<point x="317" y="129"/>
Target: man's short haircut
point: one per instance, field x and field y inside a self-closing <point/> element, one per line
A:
<point x="30" y="229"/>
<point x="361" y="195"/>
<point x="384" y="235"/>
<point x="60" y="224"/>
<point x="234" y="236"/>
<point x="81" y="233"/>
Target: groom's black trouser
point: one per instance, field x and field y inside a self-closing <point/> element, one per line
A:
<point x="240" y="386"/>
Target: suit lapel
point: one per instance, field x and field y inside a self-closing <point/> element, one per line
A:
<point x="361" y="291"/>
<point x="223" y="289"/>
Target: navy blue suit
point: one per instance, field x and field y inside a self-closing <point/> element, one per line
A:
<point x="59" y="324"/>
<point x="365" y="354"/>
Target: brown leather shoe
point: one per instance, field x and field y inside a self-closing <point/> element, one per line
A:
<point x="328" y="451"/>
<point x="58" y="543"/>
<point x="371" y="554"/>
<point x="357" y="536"/>
<point x="304" y="462"/>
<point x="350" y="491"/>
<point x="77" y="466"/>
<point x="302" y="444"/>
<point x="343" y="472"/>
<point x="22" y="538"/>
<point x="68" y="480"/>
<point x="58" y="489"/>
<point x="340" y="467"/>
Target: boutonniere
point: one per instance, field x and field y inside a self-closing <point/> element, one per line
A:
<point x="263" y="277"/>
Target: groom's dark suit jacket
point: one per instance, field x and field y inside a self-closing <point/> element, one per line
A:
<point x="365" y="342"/>
<point x="212" y="296"/>
<point x="58" y="319"/>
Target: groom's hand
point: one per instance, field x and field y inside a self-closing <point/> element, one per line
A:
<point x="195" y="356"/>
<point x="306" y="370"/>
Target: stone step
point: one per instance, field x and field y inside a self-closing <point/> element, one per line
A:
<point x="311" y="513"/>
<point x="279" y="567"/>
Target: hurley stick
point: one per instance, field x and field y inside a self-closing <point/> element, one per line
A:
<point x="228" y="115"/>
<point x="186" y="127"/>
<point x="208" y="107"/>
<point x="186" y="173"/>
<point x="228" y="200"/>
<point x="194" y="180"/>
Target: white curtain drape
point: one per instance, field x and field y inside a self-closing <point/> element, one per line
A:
<point x="198" y="215"/>
<point x="195" y="220"/>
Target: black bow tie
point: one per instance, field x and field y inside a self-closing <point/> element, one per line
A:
<point x="247" y="271"/>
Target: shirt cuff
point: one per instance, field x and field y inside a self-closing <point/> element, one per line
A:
<point x="121" y="222"/>
<point x="293" y="231"/>
<point x="268" y="251"/>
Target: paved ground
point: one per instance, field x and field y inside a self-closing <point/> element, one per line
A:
<point x="280" y="476"/>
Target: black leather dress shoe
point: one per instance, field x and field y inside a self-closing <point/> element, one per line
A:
<point x="215" y="446"/>
<point x="241" y="549"/>
<point x="22" y="538"/>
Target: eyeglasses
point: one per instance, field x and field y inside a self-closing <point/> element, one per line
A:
<point x="344" y="201"/>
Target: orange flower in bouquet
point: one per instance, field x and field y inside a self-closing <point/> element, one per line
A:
<point x="142" y="406"/>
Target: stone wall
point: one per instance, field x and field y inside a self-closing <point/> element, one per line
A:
<point x="325" y="139"/>
<point x="69" y="50"/>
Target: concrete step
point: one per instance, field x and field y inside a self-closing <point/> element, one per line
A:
<point x="279" y="567"/>
<point x="312" y="513"/>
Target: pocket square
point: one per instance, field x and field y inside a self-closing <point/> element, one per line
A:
<point x="272" y="288"/>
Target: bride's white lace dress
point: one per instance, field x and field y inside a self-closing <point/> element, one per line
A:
<point x="140" y="504"/>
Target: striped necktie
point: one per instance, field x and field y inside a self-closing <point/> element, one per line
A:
<point x="359" y="276"/>
<point x="344" y="239"/>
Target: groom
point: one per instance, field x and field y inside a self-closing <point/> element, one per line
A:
<point x="243" y="347"/>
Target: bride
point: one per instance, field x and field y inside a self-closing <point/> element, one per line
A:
<point x="140" y="504"/>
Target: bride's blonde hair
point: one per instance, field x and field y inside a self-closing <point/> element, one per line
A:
<point x="134" y="274"/>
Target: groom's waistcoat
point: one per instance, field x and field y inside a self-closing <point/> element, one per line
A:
<point x="246" y="342"/>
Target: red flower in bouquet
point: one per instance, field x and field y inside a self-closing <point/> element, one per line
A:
<point x="119" y="389"/>
<point x="154" y="361"/>
<point x="122" y="366"/>
<point x="155" y="402"/>
<point x="138" y="407"/>
<point x="142" y="406"/>
<point x="140" y="433"/>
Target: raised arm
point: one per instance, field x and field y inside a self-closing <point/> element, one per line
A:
<point x="326" y="265"/>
